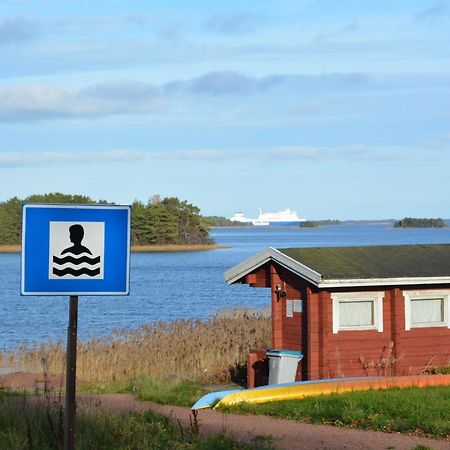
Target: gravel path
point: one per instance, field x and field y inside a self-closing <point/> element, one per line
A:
<point x="286" y="434"/>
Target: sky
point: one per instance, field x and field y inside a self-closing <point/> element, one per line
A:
<point x="333" y="108"/>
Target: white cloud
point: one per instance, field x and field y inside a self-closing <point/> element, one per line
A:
<point x="37" y="102"/>
<point x="198" y="155"/>
<point x="352" y="154"/>
<point x="44" y="101"/>
<point x="27" y="159"/>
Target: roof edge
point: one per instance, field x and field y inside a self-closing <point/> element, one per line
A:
<point x="361" y="282"/>
<point x="270" y="253"/>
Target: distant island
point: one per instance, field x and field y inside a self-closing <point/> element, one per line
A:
<point x="410" y="222"/>
<point x="318" y="223"/>
<point x="160" y="222"/>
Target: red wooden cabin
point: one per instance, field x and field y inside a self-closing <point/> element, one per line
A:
<point x="355" y="311"/>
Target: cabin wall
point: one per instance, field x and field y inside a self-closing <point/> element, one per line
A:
<point x="394" y="351"/>
<point x="420" y="349"/>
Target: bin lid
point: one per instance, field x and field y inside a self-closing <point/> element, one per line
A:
<point x="291" y="353"/>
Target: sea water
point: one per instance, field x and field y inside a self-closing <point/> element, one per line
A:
<point x="171" y="286"/>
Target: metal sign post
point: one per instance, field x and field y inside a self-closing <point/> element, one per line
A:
<point x="74" y="250"/>
<point x="71" y="370"/>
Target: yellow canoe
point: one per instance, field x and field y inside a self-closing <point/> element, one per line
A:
<point x="298" y="390"/>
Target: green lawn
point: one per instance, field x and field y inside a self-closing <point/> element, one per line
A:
<point x="183" y="393"/>
<point x="409" y="410"/>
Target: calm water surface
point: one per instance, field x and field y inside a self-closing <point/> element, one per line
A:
<point x="169" y="286"/>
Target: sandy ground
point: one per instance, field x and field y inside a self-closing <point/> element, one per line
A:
<point x="283" y="433"/>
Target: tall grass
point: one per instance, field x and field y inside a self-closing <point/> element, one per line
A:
<point x="210" y="351"/>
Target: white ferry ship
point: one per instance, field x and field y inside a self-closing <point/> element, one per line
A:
<point x="285" y="218"/>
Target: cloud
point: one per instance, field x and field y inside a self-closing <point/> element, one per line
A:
<point x="222" y="83"/>
<point x="439" y="9"/>
<point x="14" y="31"/>
<point x="32" y="159"/>
<point x="121" y="90"/>
<point x="234" y="23"/>
<point x="235" y="83"/>
<point x="427" y="152"/>
<point x="197" y="155"/>
<point x="347" y="154"/>
<point x="38" y="102"/>
<point x="44" y="102"/>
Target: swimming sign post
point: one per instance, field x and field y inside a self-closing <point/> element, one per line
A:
<point x="75" y="249"/>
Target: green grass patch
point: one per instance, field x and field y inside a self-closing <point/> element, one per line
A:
<point x="422" y="411"/>
<point x="104" y="388"/>
<point x="27" y="426"/>
<point x="180" y="393"/>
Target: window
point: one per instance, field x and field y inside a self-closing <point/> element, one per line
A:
<point x="426" y="309"/>
<point x="357" y="311"/>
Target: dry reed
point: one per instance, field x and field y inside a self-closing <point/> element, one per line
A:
<point x="180" y="350"/>
<point x="10" y="248"/>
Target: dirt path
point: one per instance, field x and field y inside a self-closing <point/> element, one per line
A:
<point x="286" y="434"/>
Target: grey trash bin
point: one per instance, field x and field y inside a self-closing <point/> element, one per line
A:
<point x="283" y="365"/>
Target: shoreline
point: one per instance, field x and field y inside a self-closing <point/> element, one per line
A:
<point x="144" y="248"/>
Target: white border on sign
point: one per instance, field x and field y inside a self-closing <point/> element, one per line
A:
<point x="25" y="206"/>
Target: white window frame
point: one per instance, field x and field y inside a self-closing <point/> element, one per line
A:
<point x="376" y="297"/>
<point x="427" y="295"/>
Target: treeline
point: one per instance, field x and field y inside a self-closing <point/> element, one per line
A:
<point x="220" y="221"/>
<point x="410" y="222"/>
<point x="157" y="222"/>
<point x="168" y="221"/>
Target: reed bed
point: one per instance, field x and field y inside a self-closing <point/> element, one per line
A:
<point x="209" y="351"/>
<point x="10" y="248"/>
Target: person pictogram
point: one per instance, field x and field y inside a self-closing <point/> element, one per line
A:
<point x="76" y="237"/>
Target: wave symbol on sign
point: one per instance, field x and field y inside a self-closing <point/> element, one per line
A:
<point x="77" y="255"/>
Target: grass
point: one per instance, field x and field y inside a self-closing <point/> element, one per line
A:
<point x="423" y="411"/>
<point x="27" y="426"/>
<point x="212" y="351"/>
<point x="179" y="393"/>
<point x="182" y="393"/>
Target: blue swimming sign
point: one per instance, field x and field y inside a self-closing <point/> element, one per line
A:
<point x="75" y="249"/>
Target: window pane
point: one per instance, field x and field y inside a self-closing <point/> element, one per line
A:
<point x="356" y="314"/>
<point x="427" y="311"/>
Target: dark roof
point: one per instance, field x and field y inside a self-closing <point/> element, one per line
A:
<point x="385" y="261"/>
